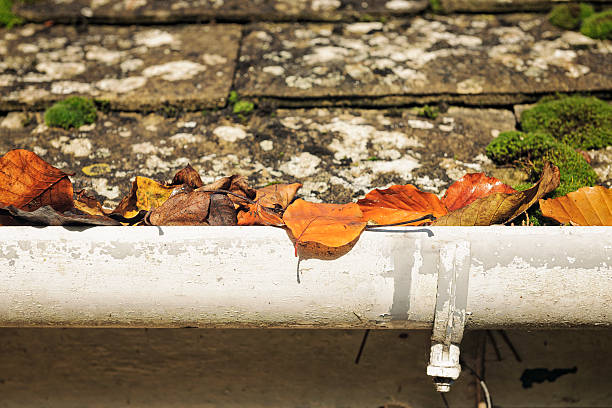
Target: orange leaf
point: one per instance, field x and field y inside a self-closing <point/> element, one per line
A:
<point x="400" y="203"/>
<point x="470" y="188"/>
<point x="28" y="182"/>
<point x="332" y="225"/>
<point x="586" y="206"/>
<point x="277" y="197"/>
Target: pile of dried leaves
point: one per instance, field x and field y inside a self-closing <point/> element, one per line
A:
<point x="32" y="192"/>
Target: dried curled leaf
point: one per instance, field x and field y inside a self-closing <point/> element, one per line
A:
<point x="587" y="206"/>
<point x="400" y="203"/>
<point x="28" y="182"/>
<point x="235" y="184"/>
<point x="188" y="176"/>
<point x="182" y="209"/>
<point x="88" y="204"/>
<point x="48" y="216"/>
<point x="470" y="188"/>
<point x="270" y="201"/>
<point x="332" y="225"/>
<point x="500" y="208"/>
<point x="145" y="194"/>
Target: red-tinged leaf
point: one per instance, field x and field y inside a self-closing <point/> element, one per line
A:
<point x="28" y="182"/>
<point x="470" y="188"/>
<point x="400" y="203"/>
<point x="182" y="209"/>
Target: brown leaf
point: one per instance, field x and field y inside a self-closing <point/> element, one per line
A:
<point x="587" y="206"/>
<point x="400" y="203"/>
<point x="28" y="182"/>
<point x="182" y="209"/>
<point x="146" y="194"/>
<point x="222" y="211"/>
<point x="332" y="225"/>
<point x="188" y="176"/>
<point x="88" y="204"/>
<point x="48" y="216"/>
<point x="235" y="184"/>
<point x="500" y="208"/>
<point x="269" y="203"/>
<point x="471" y="187"/>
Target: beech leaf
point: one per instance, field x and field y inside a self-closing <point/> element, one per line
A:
<point x="146" y="194"/>
<point x="500" y="208"/>
<point x="270" y="201"/>
<point x="587" y="206"/>
<point x="48" y="216"/>
<point x="188" y="176"/>
<point x="28" y="182"/>
<point x="182" y="209"/>
<point x="332" y="225"/>
<point x="221" y="211"/>
<point x="400" y="203"/>
<point x="471" y="187"/>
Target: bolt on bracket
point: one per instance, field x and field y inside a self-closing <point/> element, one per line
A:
<point x="450" y="314"/>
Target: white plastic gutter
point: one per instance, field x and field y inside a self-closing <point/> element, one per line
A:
<point x="246" y="277"/>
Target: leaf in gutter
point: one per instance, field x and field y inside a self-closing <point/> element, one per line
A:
<point x="48" y="216"/>
<point x="500" y="208"/>
<point x="222" y="211"/>
<point x="270" y="202"/>
<point x="332" y="225"/>
<point x="188" y="176"/>
<point x="471" y="187"/>
<point x="28" y="182"/>
<point x="587" y="206"/>
<point x="235" y="184"/>
<point x="88" y="204"/>
<point x="146" y="194"/>
<point x="182" y="209"/>
<point x="400" y="203"/>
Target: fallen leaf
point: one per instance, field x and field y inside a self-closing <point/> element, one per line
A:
<point x="270" y="201"/>
<point x="400" y="203"/>
<point x="188" y="176"/>
<point x="182" y="209"/>
<point x="146" y="194"/>
<point x="48" y="216"/>
<point x="471" y="187"/>
<point x="587" y="206"/>
<point x="88" y="204"/>
<point x="221" y="211"/>
<point x="28" y="182"/>
<point x="332" y="225"/>
<point x="234" y="184"/>
<point x="500" y="208"/>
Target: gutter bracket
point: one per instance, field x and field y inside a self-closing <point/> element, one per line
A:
<point x="450" y="314"/>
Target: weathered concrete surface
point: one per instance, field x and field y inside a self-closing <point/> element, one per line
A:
<point x="289" y="368"/>
<point x="337" y="154"/>
<point x="463" y="58"/>
<point x="163" y="11"/>
<point x="130" y="67"/>
<point x="492" y="6"/>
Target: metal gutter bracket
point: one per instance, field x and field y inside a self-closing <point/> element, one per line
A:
<point x="450" y="314"/>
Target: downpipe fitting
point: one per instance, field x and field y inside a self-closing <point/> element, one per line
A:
<point x="450" y="314"/>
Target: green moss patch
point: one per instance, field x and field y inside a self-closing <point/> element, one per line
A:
<point x="7" y="18"/>
<point x="71" y="112"/>
<point x="570" y="16"/>
<point x="532" y="150"/>
<point x="598" y="25"/>
<point x="580" y="122"/>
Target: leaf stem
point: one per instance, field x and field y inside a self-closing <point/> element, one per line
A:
<point x="423" y="218"/>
